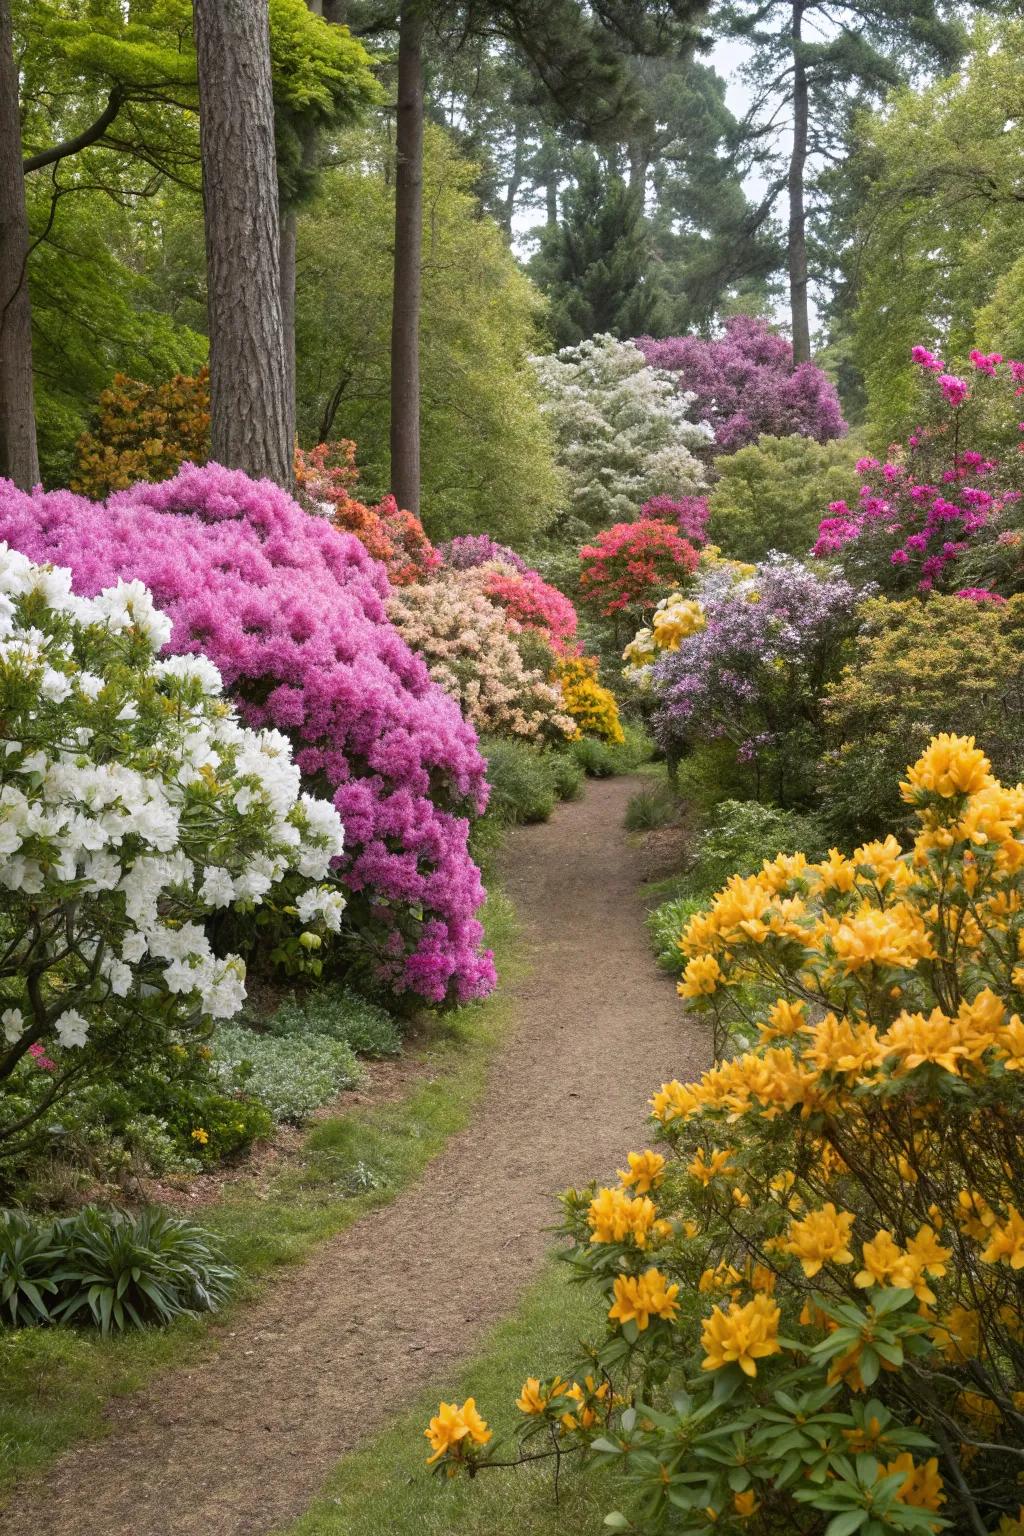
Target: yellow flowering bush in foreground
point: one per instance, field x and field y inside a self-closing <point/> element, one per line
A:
<point x="814" y="1285"/>
<point x="588" y="702"/>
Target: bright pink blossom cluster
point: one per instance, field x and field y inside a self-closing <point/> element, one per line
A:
<point x="689" y="513"/>
<point x="532" y="603"/>
<point x="633" y="565"/>
<point x="292" y="611"/>
<point x="916" y="517"/>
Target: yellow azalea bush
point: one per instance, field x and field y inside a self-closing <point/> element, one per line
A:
<point x="586" y="701"/>
<point x="814" y="1284"/>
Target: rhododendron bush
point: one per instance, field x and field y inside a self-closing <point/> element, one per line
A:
<point x="632" y="565"/>
<point x="133" y="806"/>
<point x="293" y="613"/>
<point x="326" y="476"/>
<point x="813" y="1282"/>
<point x="623" y="431"/>
<point x="528" y="601"/>
<point x="744" y="660"/>
<point x="689" y="513"/>
<point x="592" y="707"/>
<point x="467" y="644"/>
<point x="470" y="549"/>
<point x="745" y="384"/>
<point x="944" y="510"/>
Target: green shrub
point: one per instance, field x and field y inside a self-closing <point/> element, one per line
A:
<point x="105" y="1267"/>
<point x="773" y="493"/>
<point x="599" y="760"/>
<point x="919" y="668"/>
<point x="665" y="924"/>
<point x="340" y="1014"/>
<point x="521" y="779"/>
<point x="290" y="1075"/>
<point x="567" y="774"/>
<point x="743" y="833"/>
<point x="655" y="806"/>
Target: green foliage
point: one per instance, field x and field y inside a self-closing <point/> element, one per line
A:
<point x="602" y="760"/>
<point x="651" y="807"/>
<point x="292" y="1075"/>
<point x="522" y="782"/>
<point x="939" y="223"/>
<point x="664" y="924"/>
<point x="773" y="493"/>
<point x="741" y="834"/>
<point x="338" y="1013"/>
<point x="595" y="265"/>
<point x="567" y="774"/>
<point x="105" y="1267"/>
<point x="487" y="458"/>
<point x="919" y="668"/>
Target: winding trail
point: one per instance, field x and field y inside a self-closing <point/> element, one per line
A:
<point x="240" y="1443"/>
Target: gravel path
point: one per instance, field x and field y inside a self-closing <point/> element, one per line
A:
<point x="239" y="1444"/>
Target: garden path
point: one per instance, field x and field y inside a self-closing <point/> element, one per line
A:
<point x="240" y="1443"/>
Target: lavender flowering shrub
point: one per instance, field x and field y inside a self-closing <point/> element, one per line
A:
<point x="745" y="384"/>
<point x="753" y="676"/>
<point x="472" y="549"/>
<point x="292" y="612"/>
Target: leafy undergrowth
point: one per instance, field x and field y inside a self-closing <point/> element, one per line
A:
<point x="386" y="1486"/>
<point x="54" y="1382"/>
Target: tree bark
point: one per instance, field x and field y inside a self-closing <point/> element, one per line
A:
<point x="797" y="249"/>
<point x="250" y="427"/>
<point x="405" y="308"/>
<point x="19" y="458"/>
<point x="289" y="239"/>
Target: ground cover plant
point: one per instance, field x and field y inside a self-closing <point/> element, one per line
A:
<point x="293" y="613"/>
<point x="840" y="1196"/>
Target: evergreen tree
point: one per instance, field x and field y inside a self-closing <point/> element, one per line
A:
<point x="595" y="264"/>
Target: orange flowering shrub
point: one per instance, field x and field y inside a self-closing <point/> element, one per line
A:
<point x="144" y="432"/>
<point x="814" y="1288"/>
<point x="325" y="478"/>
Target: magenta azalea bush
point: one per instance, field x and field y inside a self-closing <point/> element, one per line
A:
<point x="944" y="512"/>
<point x="745" y="384"/>
<point x="774" y="635"/>
<point x="292" y="612"/>
<point x="689" y="513"/>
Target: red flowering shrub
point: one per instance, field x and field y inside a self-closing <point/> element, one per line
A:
<point x="633" y="565"/>
<point x="326" y="475"/>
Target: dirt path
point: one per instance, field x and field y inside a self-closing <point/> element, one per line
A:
<point x="240" y="1444"/>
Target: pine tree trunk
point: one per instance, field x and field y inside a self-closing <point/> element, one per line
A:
<point x="405" y="309"/>
<point x="289" y="236"/>
<point x="797" y="216"/>
<point x="19" y="459"/>
<point x="251" y="427"/>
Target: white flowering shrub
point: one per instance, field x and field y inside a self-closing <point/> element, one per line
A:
<point x="133" y="807"/>
<point x="622" y="429"/>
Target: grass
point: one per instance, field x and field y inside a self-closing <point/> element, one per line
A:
<point x="385" y="1487"/>
<point x="651" y="807"/>
<point x="54" y="1382"/>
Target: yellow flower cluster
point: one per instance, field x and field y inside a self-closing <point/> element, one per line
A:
<point x="822" y="1237"/>
<point x="591" y="705"/>
<point x="638" y="1298"/>
<point x="616" y="1217"/>
<point x="576" y="1406"/>
<point x="743" y="1335"/>
<point x="453" y="1429"/>
<point x="674" y="619"/>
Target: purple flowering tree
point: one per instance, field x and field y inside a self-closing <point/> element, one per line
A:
<point x="292" y="611"/>
<point x="753" y="677"/>
<point x="746" y="384"/>
<point x="943" y="512"/>
<point x="469" y="550"/>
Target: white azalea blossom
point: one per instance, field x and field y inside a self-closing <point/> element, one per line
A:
<point x="133" y="805"/>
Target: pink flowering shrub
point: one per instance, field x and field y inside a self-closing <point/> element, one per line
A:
<point x="470" y="549"/>
<point x="293" y="613"/>
<point x="530" y="603"/>
<point x="689" y="513"/>
<point x="943" y="512"/>
<point x="472" y="654"/>
<point x="746" y="385"/>
<point x="633" y="565"/>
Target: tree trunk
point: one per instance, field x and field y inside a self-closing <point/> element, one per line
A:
<point x="797" y="217"/>
<point x="251" y="427"/>
<point x="638" y="164"/>
<point x="19" y="459"/>
<point x="515" y="181"/>
<point x="289" y="235"/>
<point x="405" y="309"/>
<point x="551" y="199"/>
